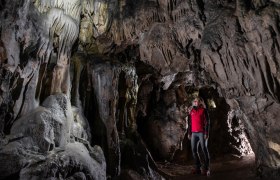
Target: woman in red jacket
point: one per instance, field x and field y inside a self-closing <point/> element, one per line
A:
<point x="198" y="132"/>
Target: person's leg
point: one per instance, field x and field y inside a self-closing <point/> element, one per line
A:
<point x="204" y="147"/>
<point x="194" y="142"/>
<point x="207" y="153"/>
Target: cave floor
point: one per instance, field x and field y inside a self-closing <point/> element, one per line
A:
<point x="229" y="168"/>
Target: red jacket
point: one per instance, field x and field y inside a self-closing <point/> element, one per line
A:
<point x="198" y="121"/>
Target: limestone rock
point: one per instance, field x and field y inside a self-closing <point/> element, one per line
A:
<point x="72" y="162"/>
<point x="48" y="126"/>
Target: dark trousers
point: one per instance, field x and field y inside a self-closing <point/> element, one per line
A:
<point x="196" y="139"/>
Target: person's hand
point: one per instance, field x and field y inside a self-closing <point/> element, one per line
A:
<point x="205" y="136"/>
<point x="189" y="136"/>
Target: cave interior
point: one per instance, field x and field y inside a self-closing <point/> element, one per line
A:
<point x="97" y="89"/>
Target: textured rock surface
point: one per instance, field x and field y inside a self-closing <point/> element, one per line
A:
<point x="42" y="135"/>
<point x="88" y="71"/>
<point x="74" y="160"/>
<point x="242" y="59"/>
<point x="42" y="145"/>
<point x="163" y="127"/>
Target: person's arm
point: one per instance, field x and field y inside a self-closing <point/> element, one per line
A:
<point x="206" y="123"/>
<point x="189" y="124"/>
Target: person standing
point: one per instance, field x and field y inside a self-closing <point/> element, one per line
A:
<point x="198" y="133"/>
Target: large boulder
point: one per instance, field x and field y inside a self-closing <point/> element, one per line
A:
<point x="48" y="125"/>
<point x="74" y="161"/>
<point x="51" y="142"/>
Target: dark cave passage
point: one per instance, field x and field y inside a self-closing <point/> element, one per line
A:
<point x="228" y="143"/>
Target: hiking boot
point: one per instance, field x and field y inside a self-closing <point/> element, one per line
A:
<point x="205" y="172"/>
<point x="195" y="171"/>
<point x="208" y="173"/>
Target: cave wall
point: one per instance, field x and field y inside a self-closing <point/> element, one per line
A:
<point x="161" y="122"/>
<point x="90" y="57"/>
<point x="43" y="135"/>
<point x="240" y="53"/>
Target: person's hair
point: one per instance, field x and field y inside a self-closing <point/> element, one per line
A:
<point x="200" y="101"/>
<point x="197" y="98"/>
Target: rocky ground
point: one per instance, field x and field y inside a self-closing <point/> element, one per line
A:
<point x="227" y="167"/>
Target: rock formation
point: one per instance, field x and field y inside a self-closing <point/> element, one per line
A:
<point x="88" y="86"/>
